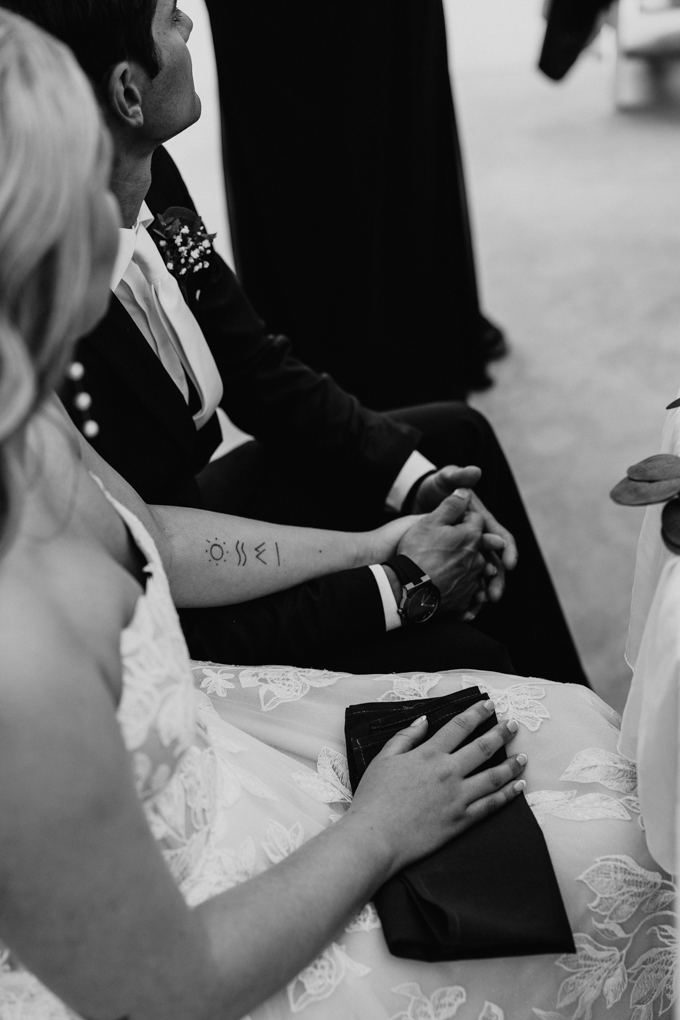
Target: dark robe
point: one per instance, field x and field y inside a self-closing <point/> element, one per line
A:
<point x="346" y="191"/>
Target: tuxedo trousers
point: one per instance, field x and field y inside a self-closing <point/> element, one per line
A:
<point x="525" y="632"/>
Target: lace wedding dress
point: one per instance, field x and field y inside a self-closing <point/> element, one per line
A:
<point x="237" y="767"/>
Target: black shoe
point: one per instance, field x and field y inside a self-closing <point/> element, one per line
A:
<point x="480" y="381"/>
<point x="493" y="341"/>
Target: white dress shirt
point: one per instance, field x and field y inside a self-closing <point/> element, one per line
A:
<point x="153" y="299"/>
<point x="414" y="468"/>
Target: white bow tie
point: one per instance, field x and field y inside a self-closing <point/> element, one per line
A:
<point x="178" y="339"/>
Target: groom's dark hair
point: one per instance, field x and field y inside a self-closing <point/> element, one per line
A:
<point x="101" y="33"/>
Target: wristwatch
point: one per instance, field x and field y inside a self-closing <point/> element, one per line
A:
<point x="420" y="596"/>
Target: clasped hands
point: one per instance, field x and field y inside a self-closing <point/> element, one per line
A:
<point x="458" y="542"/>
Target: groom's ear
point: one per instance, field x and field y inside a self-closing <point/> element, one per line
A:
<point x="124" y="95"/>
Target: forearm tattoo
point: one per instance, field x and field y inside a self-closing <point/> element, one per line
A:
<point x="219" y="553"/>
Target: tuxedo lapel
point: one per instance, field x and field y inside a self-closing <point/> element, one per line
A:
<point x="120" y="342"/>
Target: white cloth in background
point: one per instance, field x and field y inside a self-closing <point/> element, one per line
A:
<point x="650" y="731"/>
<point x="651" y="552"/>
<point x="152" y="297"/>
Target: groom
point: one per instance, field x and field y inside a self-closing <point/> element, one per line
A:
<point x="172" y="349"/>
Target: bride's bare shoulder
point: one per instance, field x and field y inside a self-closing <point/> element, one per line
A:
<point x="45" y="657"/>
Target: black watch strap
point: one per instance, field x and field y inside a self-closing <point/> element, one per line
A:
<point x="407" y="571"/>
<point x="420" y="596"/>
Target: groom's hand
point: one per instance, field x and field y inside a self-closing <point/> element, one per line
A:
<point x="440" y="484"/>
<point x="448" y="545"/>
<point x="498" y="544"/>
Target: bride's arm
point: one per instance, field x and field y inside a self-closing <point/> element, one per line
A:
<point x="89" y="905"/>
<point x="219" y="559"/>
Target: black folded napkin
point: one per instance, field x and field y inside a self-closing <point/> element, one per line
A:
<point x="491" y="891"/>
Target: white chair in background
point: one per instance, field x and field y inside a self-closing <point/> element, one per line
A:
<point x="648" y="52"/>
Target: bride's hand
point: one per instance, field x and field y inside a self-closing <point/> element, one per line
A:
<point x="418" y="793"/>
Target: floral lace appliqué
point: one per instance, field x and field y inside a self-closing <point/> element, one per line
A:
<point x="366" y="920"/>
<point x="608" y="968"/>
<point x="441" y="1005"/>
<point x="521" y="702"/>
<point x="596" y="765"/>
<point x="280" y="684"/>
<point x="281" y="842"/>
<point x="592" y="765"/>
<point x="409" y="688"/>
<point x="330" y="783"/>
<point x="217" y="681"/>
<point x="322" y="977"/>
<point x="333" y="767"/>
<point x="491" y="1012"/>
<point x="622" y="886"/>
<point x="22" y="995"/>
<point x="567" y="804"/>
<point x="220" y="869"/>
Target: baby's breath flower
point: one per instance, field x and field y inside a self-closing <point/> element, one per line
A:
<point x="190" y="247"/>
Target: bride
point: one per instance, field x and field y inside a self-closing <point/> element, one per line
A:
<point x="178" y="840"/>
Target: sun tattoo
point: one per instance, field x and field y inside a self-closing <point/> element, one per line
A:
<point x="216" y="551"/>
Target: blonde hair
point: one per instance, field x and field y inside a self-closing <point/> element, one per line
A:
<point x="53" y="156"/>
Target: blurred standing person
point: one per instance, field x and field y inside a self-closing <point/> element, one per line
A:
<point x="346" y="192"/>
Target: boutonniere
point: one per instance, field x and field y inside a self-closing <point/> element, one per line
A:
<point x="184" y="243"/>
<point x="655" y="480"/>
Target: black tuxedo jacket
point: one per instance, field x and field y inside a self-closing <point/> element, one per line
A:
<point x="146" y="430"/>
<point x="148" y="435"/>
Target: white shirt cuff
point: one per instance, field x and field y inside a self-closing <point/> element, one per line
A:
<point x="392" y="618"/>
<point x="415" y="467"/>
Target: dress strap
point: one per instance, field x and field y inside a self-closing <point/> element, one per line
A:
<point x="140" y="535"/>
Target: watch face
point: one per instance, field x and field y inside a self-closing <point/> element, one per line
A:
<point x="422" y="604"/>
